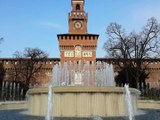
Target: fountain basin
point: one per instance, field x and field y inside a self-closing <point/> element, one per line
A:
<point x="76" y="101"/>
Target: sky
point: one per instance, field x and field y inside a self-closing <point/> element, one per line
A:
<point x="36" y="23"/>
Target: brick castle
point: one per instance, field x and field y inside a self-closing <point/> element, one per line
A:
<point x="77" y="45"/>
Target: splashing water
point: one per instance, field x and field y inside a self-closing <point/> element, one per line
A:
<point x="83" y="74"/>
<point x="129" y="103"/>
<point x="49" y="104"/>
<point x="97" y="118"/>
<point x="79" y="74"/>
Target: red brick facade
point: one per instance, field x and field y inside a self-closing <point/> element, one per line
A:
<point x="77" y="45"/>
<point x="45" y="74"/>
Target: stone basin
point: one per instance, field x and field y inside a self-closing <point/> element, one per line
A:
<point x="77" y="101"/>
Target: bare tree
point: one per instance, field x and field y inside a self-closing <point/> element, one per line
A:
<point x="28" y="64"/>
<point x="2" y="74"/>
<point x="1" y="65"/>
<point x="131" y="49"/>
<point x="15" y="74"/>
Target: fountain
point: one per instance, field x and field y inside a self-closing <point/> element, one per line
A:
<point x="128" y="100"/>
<point x="81" y="90"/>
<point x="78" y="74"/>
<point x="49" y="103"/>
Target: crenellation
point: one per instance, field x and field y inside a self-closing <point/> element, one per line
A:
<point x="154" y="68"/>
<point x="77" y="45"/>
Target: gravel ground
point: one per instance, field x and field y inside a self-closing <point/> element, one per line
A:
<point x="18" y="115"/>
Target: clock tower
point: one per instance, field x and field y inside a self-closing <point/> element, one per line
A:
<point x="77" y="44"/>
<point x="78" y="18"/>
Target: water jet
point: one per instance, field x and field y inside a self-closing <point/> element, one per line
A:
<point x="80" y="98"/>
<point x="82" y="86"/>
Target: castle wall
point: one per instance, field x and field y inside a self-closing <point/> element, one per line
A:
<point x="154" y="76"/>
<point x="44" y="76"/>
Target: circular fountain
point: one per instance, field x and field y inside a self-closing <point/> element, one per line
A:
<point x="81" y="90"/>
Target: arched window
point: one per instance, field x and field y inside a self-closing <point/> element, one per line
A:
<point x="77" y="7"/>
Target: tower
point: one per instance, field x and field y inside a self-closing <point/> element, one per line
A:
<point x="78" y="18"/>
<point x="77" y="44"/>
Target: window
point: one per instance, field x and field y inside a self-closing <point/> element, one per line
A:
<point x="87" y="53"/>
<point x="77" y="7"/>
<point x="68" y="54"/>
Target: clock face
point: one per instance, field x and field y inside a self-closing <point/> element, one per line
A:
<point x="78" y="25"/>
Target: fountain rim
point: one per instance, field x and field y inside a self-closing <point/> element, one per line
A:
<point x="82" y="89"/>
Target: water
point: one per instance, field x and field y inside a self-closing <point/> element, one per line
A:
<point x="11" y="91"/>
<point x="19" y="115"/>
<point x="50" y="104"/>
<point x="83" y="74"/>
<point x="97" y="118"/>
<point x="79" y="74"/>
<point x="129" y="103"/>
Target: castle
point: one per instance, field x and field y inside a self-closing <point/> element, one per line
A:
<point x="77" y="45"/>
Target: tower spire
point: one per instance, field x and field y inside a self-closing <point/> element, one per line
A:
<point x="78" y="18"/>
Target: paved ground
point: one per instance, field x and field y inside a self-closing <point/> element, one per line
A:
<point x="17" y="115"/>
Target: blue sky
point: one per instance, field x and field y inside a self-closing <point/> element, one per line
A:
<point x="36" y="23"/>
